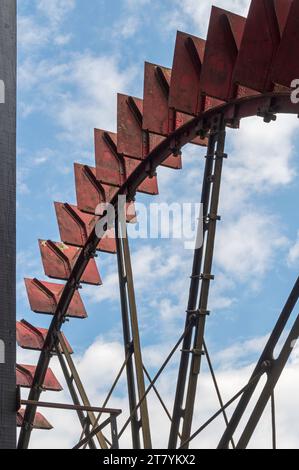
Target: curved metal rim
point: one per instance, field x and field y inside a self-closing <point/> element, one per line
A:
<point x="276" y="103"/>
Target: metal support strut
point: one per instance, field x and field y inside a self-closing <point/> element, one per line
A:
<point x="75" y="378"/>
<point x="274" y="369"/>
<point x="210" y="202"/>
<point x="131" y="339"/>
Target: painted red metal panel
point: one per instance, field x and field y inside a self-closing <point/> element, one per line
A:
<point x="25" y="375"/>
<point x="109" y="165"/>
<point x="91" y="193"/>
<point x="155" y="109"/>
<point x="185" y="78"/>
<point x="76" y="226"/>
<point x="149" y="186"/>
<point x="44" y="297"/>
<point x="282" y="9"/>
<point x="221" y="51"/>
<point x="155" y="99"/>
<point x="40" y="422"/>
<point x="172" y="161"/>
<point x="59" y="260"/>
<point x="260" y="43"/>
<point x="32" y="338"/>
<point x="286" y="63"/>
<point x="130" y="136"/>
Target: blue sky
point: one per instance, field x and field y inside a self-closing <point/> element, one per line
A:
<point x="74" y="56"/>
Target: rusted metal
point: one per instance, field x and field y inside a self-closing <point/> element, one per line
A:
<point x="85" y="424"/>
<point x="67" y="407"/>
<point x="198" y="344"/>
<point x="145" y="425"/>
<point x="110" y="167"/>
<point x="156" y="110"/>
<point x="40" y="422"/>
<point x="131" y="140"/>
<point x="44" y="298"/>
<point x="265" y="364"/>
<point x="25" y="376"/>
<point x="158" y="118"/>
<point x="286" y="66"/>
<point x="201" y="124"/>
<point x="155" y="99"/>
<point x="207" y="185"/>
<point x="127" y="337"/>
<point x="80" y="388"/>
<point x="76" y="226"/>
<point x="221" y="52"/>
<point x="127" y="163"/>
<point x="32" y="338"/>
<point x="262" y="35"/>
<point x="59" y="259"/>
<point x="91" y="193"/>
<point x="186" y="71"/>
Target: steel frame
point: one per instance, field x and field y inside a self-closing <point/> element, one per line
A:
<point x="131" y="337"/>
<point x="262" y="105"/>
<point x="127" y="163"/>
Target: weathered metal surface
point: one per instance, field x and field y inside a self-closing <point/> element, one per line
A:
<point x="182" y="136"/>
<point x="158" y="118"/>
<point x="173" y="162"/>
<point x="150" y="185"/>
<point x="282" y="10"/>
<point x="286" y="64"/>
<point x="40" y="422"/>
<point x="59" y="259"/>
<point x="262" y="35"/>
<point x="44" y="297"/>
<point x="155" y="99"/>
<point x="109" y="164"/>
<point x="25" y="376"/>
<point x="131" y="140"/>
<point x="32" y="338"/>
<point x="155" y="109"/>
<point x="8" y="58"/>
<point x="186" y="71"/>
<point x="75" y="227"/>
<point x="91" y="194"/>
<point x="221" y="52"/>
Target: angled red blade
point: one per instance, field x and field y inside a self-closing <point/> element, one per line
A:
<point x="44" y="297"/>
<point x="109" y="164"/>
<point x="286" y="64"/>
<point x="32" y="338"/>
<point x="186" y="71"/>
<point x="76" y="226"/>
<point x="40" y="422"/>
<point x="155" y="99"/>
<point x="130" y="136"/>
<point x="91" y="193"/>
<point x="59" y="259"/>
<point x="262" y="35"/>
<point x="221" y="52"/>
<point x="25" y="375"/>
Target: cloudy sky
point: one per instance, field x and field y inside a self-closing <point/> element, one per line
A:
<point x="74" y="56"/>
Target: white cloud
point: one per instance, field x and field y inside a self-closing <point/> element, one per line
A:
<point x="36" y="31"/>
<point x="246" y="249"/>
<point x="293" y="255"/>
<point x="79" y="94"/>
<point x="55" y="10"/>
<point x="99" y="365"/>
<point x="195" y="15"/>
